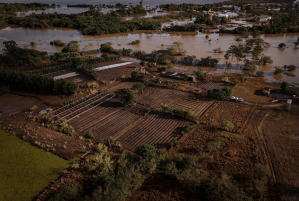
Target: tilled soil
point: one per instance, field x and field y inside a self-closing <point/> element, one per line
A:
<point x="281" y="135"/>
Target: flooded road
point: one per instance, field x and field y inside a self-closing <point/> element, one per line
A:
<point x="194" y="43"/>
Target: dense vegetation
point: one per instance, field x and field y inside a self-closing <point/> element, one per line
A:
<point x="15" y="56"/>
<point x="226" y="92"/>
<point x="90" y="22"/>
<point x="15" y="7"/>
<point x="36" y="83"/>
<point x="114" y="177"/>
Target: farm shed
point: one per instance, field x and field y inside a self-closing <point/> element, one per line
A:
<point x="266" y="91"/>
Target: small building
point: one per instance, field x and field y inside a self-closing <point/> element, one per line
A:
<point x="266" y="91"/>
<point x="237" y="8"/>
<point x="223" y="15"/>
<point x="264" y="18"/>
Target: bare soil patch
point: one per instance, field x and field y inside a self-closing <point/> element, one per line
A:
<point x="153" y="97"/>
<point x="156" y="129"/>
<point x="282" y="140"/>
<point x="13" y="104"/>
<point x="251" y="90"/>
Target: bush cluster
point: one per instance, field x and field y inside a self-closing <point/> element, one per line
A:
<point x="226" y="92"/>
<point x="187" y="129"/>
<point x="36" y="83"/>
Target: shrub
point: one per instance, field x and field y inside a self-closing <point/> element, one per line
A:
<point x="174" y="143"/>
<point x="281" y="45"/>
<point x="187" y="129"/>
<point x="185" y="162"/>
<point x="291" y="68"/>
<point x="32" y="43"/>
<point x="220" y="93"/>
<point x="259" y="73"/>
<point x="127" y="97"/>
<point x="138" y="86"/>
<point x="137" y="75"/>
<point x="199" y="73"/>
<point x="92" y="85"/>
<point x="109" y="141"/>
<point x="146" y="151"/>
<point x="263" y="171"/>
<point x="66" y="193"/>
<point x="142" y="63"/>
<point x="88" y="135"/>
<point x="235" y="82"/>
<point x="225" y="79"/>
<point x="277" y="71"/>
<point x="284" y="85"/>
<point x="227" y="125"/>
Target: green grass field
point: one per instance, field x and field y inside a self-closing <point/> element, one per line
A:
<point x="25" y="169"/>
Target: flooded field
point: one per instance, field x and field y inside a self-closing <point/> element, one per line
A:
<point x="25" y="169"/>
<point x="61" y="10"/>
<point x="194" y="43"/>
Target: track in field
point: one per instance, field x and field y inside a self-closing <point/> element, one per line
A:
<point x="214" y="84"/>
<point x="154" y="96"/>
<point x="157" y="130"/>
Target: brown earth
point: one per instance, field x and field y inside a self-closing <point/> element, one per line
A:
<point x="250" y="90"/>
<point x="281" y="136"/>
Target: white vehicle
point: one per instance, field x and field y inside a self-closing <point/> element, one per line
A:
<point x="239" y="99"/>
<point x="232" y="98"/>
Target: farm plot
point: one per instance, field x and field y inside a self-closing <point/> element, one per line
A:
<point x="214" y="84"/>
<point x="67" y="75"/>
<point x="157" y="129"/>
<point x="250" y="90"/>
<point x="113" y="73"/>
<point x="82" y="106"/>
<point x="153" y="97"/>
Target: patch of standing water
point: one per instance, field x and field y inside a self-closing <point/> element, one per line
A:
<point x="25" y="170"/>
<point x="193" y="42"/>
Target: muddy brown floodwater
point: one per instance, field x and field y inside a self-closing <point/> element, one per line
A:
<point x="194" y="43"/>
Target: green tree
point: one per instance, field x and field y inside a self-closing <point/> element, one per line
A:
<point x="296" y="43"/>
<point x="88" y="135"/>
<point x="138" y="86"/>
<point x="127" y="97"/>
<point x="281" y="45"/>
<point x="265" y="60"/>
<point x="227" y="125"/>
<point x="146" y="151"/>
<point x="284" y="85"/>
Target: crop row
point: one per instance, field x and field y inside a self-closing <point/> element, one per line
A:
<point x="92" y="119"/>
<point x="75" y="105"/>
<point x="86" y="107"/>
<point x="156" y="130"/>
<point x="115" y="125"/>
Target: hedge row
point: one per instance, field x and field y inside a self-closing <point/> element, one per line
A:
<point x="36" y="83"/>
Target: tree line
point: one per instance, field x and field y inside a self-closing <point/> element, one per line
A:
<point x="36" y="83"/>
<point x="89" y="23"/>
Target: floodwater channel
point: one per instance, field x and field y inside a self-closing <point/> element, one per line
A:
<point x="193" y="42"/>
<point x="25" y="170"/>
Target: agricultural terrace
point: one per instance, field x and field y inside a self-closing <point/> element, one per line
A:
<point x="115" y="70"/>
<point x="153" y="97"/>
<point x="104" y="117"/>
